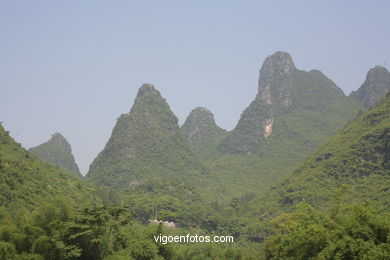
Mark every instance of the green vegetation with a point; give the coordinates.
(374, 88)
(334, 205)
(303, 110)
(55, 232)
(358, 156)
(201, 131)
(57, 151)
(26, 180)
(345, 232)
(145, 143)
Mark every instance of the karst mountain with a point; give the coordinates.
(201, 131)
(145, 143)
(354, 165)
(57, 151)
(374, 88)
(28, 181)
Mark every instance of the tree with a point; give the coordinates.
(351, 232)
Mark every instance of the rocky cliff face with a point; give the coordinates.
(57, 151)
(60, 141)
(200, 129)
(146, 142)
(358, 157)
(374, 88)
(291, 105)
(276, 70)
(294, 112)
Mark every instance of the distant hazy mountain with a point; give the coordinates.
(358, 156)
(201, 131)
(26, 179)
(57, 151)
(294, 112)
(146, 142)
(374, 88)
(292, 107)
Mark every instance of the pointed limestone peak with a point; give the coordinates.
(280, 62)
(57, 151)
(146, 142)
(374, 88)
(147, 89)
(276, 73)
(60, 140)
(148, 104)
(200, 127)
(201, 115)
(376, 72)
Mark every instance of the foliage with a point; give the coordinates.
(57, 151)
(179, 203)
(306, 109)
(148, 171)
(374, 88)
(54, 231)
(145, 143)
(345, 232)
(358, 156)
(201, 131)
(26, 180)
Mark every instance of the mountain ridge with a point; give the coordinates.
(26, 179)
(357, 156)
(374, 88)
(201, 131)
(146, 142)
(57, 151)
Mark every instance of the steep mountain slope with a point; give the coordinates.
(146, 142)
(201, 131)
(57, 151)
(292, 107)
(294, 112)
(26, 179)
(374, 88)
(358, 156)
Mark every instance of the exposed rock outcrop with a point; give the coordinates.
(291, 106)
(145, 143)
(374, 88)
(57, 151)
(200, 128)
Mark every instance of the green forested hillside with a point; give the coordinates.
(27, 180)
(205, 180)
(48, 214)
(357, 160)
(146, 142)
(201, 131)
(57, 151)
(295, 112)
(344, 232)
(296, 108)
(374, 88)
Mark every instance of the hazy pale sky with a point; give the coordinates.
(74, 66)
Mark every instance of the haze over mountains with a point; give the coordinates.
(374, 88)
(357, 157)
(302, 140)
(146, 142)
(294, 112)
(303, 107)
(27, 180)
(57, 151)
(201, 131)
